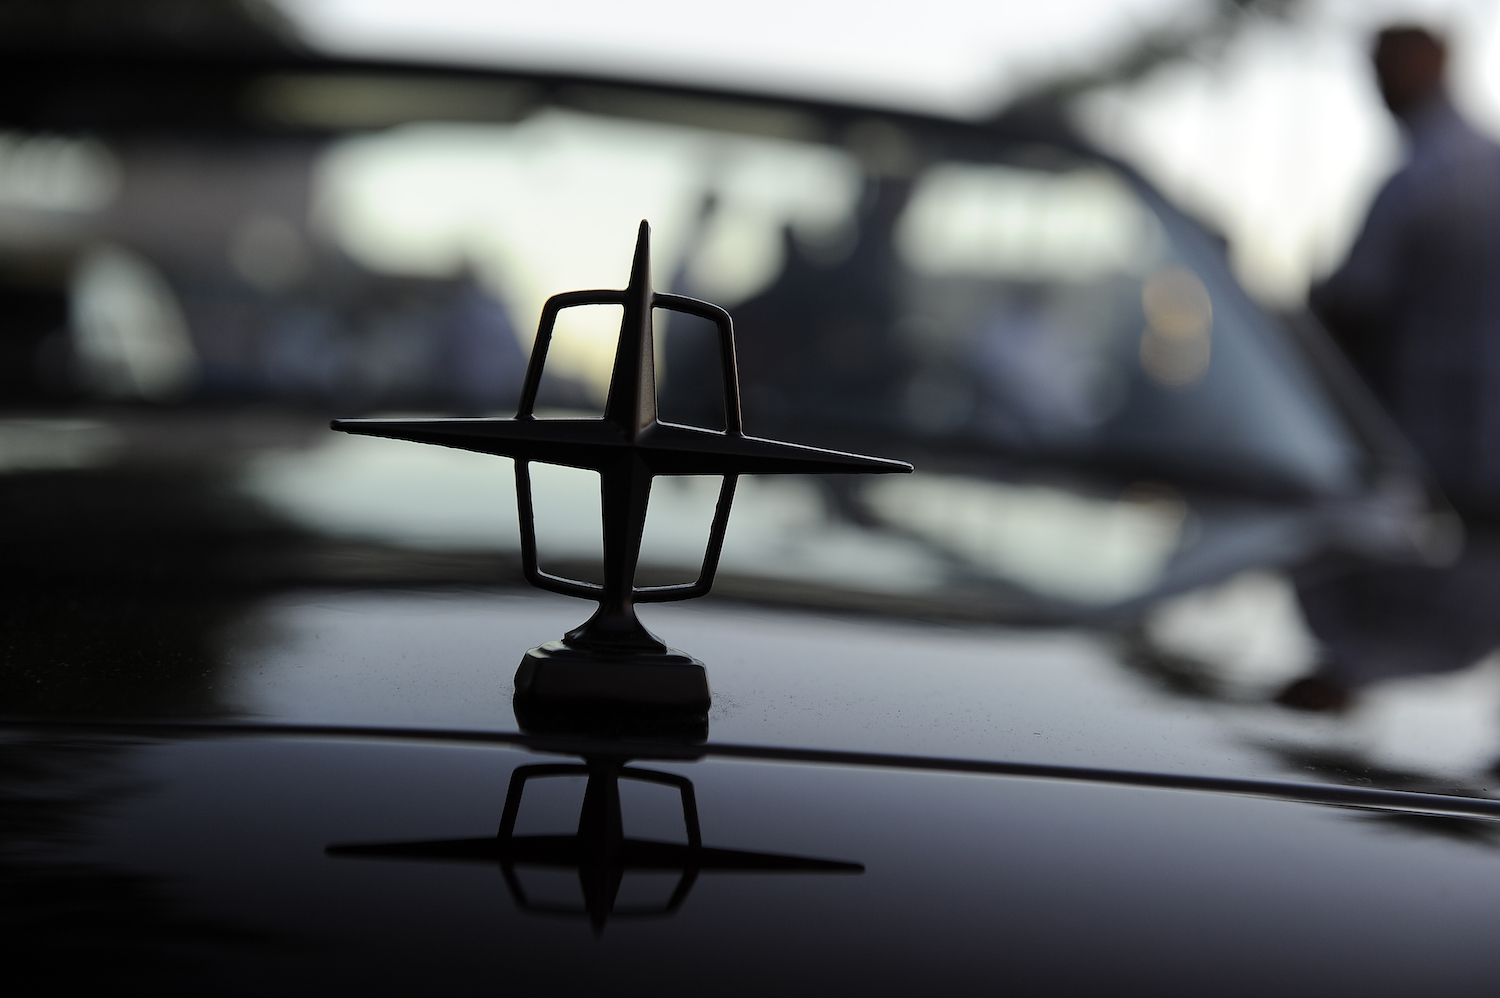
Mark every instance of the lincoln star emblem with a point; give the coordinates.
(612, 658)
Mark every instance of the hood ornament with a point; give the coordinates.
(611, 660)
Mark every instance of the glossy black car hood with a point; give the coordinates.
(881, 806)
(238, 863)
(783, 680)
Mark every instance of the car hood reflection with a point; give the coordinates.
(599, 851)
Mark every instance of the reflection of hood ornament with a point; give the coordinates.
(599, 851)
(612, 658)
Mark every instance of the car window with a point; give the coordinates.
(1037, 308)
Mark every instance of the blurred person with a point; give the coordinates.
(815, 349)
(484, 363)
(1416, 307)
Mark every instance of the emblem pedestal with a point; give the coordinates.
(562, 677)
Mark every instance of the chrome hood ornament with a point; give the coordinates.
(611, 659)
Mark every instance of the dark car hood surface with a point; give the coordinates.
(781, 679)
(881, 806)
(241, 864)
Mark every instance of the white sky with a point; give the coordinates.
(1280, 144)
(950, 56)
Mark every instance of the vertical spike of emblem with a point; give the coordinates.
(632, 384)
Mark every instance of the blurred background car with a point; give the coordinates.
(1054, 259)
(218, 236)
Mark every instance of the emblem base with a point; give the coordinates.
(560, 676)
